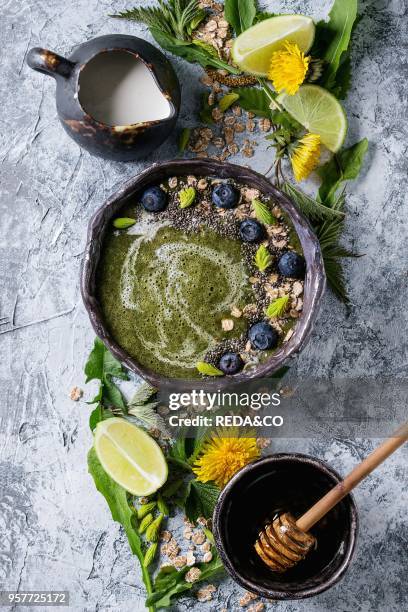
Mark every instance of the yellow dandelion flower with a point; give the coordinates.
(288, 68)
(221, 458)
(305, 156)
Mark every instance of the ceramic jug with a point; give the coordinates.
(122, 142)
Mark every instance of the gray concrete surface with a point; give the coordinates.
(56, 532)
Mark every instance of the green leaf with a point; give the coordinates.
(254, 100)
(240, 14)
(123, 222)
(263, 258)
(117, 500)
(206, 110)
(207, 369)
(278, 307)
(227, 101)
(190, 51)
(262, 15)
(170, 583)
(333, 37)
(263, 212)
(186, 197)
(310, 207)
(184, 139)
(101, 362)
(99, 414)
(344, 166)
(201, 499)
(112, 394)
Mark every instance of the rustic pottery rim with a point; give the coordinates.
(315, 279)
(305, 593)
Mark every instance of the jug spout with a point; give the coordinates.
(49, 62)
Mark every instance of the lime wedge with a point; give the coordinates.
(319, 112)
(252, 50)
(130, 456)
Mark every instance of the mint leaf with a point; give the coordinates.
(201, 499)
(344, 166)
(333, 38)
(240, 14)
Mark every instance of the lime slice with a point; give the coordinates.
(130, 456)
(252, 50)
(319, 112)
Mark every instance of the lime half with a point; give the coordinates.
(252, 50)
(319, 112)
(130, 456)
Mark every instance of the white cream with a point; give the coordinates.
(117, 88)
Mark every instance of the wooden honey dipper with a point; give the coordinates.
(285, 541)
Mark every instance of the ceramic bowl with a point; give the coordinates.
(284, 482)
(314, 280)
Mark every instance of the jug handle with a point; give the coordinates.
(49, 62)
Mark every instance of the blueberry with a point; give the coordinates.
(225, 196)
(250, 230)
(154, 199)
(263, 336)
(291, 264)
(230, 363)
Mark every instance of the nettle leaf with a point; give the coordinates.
(263, 213)
(201, 499)
(263, 259)
(187, 197)
(344, 166)
(143, 394)
(147, 414)
(240, 14)
(311, 208)
(278, 307)
(333, 38)
(207, 369)
(190, 51)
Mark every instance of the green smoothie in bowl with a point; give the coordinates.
(200, 277)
